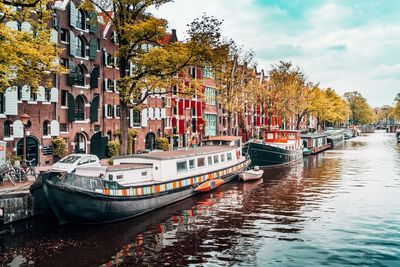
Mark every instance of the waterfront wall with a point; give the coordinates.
(16, 206)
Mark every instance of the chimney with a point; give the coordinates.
(174, 37)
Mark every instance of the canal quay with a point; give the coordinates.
(336, 208)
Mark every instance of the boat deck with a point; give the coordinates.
(184, 153)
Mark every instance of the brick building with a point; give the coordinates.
(83, 106)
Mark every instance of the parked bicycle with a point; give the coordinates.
(7, 172)
(27, 169)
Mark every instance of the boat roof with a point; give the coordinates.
(313, 135)
(114, 168)
(223, 138)
(177, 154)
(283, 131)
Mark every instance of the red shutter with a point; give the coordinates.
(279, 120)
(273, 121)
(258, 121)
(174, 122)
(203, 104)
(199, 109)
(180, 108)
(187, 103)
(198, 70)
(193, 104)
(181, 126)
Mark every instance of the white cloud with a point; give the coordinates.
(325, 43)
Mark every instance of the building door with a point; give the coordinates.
(80, 143)
(98, 145)
(150, 141)
(32, 149)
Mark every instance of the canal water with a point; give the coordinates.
(338, 208)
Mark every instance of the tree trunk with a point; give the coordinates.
(229, 132)
(124, 110)
(124, 126)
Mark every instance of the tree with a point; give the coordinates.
(361, 112)
(234, 75)
(148, 64)
(27, 56)
(287, 83)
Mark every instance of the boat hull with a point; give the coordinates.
(72, 205)
(247, 176)
(265, 155)
(319, 149)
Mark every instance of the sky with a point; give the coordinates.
(348, 45)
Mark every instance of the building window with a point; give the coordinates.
(2, 103)
(229, 156)
(46, 128)
(33, 96)
(109, 111)
(64, 35)
(7, 129)
(63, 127)
(208, 73)
(80, 76)
(80, 108)
(64, 98)
(136, 118)
(19, 88)
(80, 47)
(64, 62)
(117, 111)
(210, 125)
(98, 44)
(47, 94)
(175, 90)
(210, 95)
(81, 23)
(175, 110)
(181, 166)
(192, 72)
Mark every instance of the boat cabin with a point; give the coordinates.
(215, 154)
(288, 139)
(314, 140)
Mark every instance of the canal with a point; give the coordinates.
(339, 208)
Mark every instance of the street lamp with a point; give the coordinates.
(25, 119)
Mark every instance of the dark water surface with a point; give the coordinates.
(339, 208)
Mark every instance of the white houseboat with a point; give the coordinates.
(140, 183)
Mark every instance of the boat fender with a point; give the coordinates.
(212, 184)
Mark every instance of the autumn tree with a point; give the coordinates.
(361, 112)
(396, 108)
(287, 84)
(27, 55)
(147, 63)
(234, 76)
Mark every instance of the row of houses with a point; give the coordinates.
(82, 106)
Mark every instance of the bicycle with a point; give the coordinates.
(27, 169)
(7, 172)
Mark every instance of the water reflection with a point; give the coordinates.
(329, 209)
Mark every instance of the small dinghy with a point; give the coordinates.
(251, 175)
(209, 185)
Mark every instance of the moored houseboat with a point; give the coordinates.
(398, 136)
(335, 137)
(137, 184)
(278, 148)
(314, 143)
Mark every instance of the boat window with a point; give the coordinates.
(144, 173)
(201, 162)
(291, 136)
(237, 143)
(216, 159)
(210, 162)
(191, 164)
(229, 156)
(181, 166)
(270, 136)
(119, 177)
(222, 157)
(93, 159)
